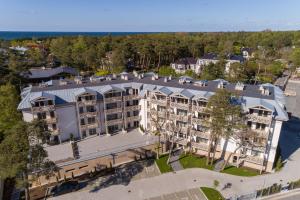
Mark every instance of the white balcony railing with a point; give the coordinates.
(259, 119)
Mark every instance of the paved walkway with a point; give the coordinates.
(174, 160)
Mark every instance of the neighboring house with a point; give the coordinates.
(184, 64)
(208, 59)
(231, 58)
(247, 53)
(89, 107)
(38, 75)
(20, 49)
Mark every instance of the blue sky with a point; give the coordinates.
(149, 15)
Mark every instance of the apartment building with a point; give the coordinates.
(118, 103)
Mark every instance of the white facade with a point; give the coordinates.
(120, 104)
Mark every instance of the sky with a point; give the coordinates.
(149, 15)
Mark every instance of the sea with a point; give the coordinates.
(11, 35)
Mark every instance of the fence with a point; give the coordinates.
(274, 189)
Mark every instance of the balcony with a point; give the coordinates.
(89, 114)
(88, 126)
(159, 102)
(87, 102)
(114, 121)
(202, 134)
(51, 120)
(113, 99)
(261, 133)
(197, 120)
(199, 109)
(132, 118)
(200, 145)
(179, 105)
(259, 119)
(131, 97)
(113, 110)
(132, 108)
(181, 141)
(182, 118)
(254, 159)
(54, 132)
(43, 108)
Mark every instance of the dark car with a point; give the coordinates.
(65, 187)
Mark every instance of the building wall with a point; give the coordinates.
(274, 142)
(67, 122)
(27, 115)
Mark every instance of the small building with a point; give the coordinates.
(38, 75)
(208, 59)
(183, 64)
(247, 53)
(231, 58)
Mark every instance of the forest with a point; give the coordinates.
(274, 52)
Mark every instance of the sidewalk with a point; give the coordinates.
(284, 195)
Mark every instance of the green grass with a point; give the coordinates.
(193, 161)
(162, 164)
(212, 194)
(241, 171)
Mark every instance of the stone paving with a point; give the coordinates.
(191, 194)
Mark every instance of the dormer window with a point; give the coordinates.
(202, 83)
(221, 85)
(239, 86)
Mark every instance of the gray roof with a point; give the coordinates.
(67, 93)
(36, 73)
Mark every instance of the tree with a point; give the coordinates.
(166, 71)
(219, 123)
(22, 153)
(158, 123)
(243, 138)
(9, 101)
(213, 71)
(236, 73)
(173, 130)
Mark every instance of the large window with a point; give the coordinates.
(92, 131)
(41, 115)
(91, 120)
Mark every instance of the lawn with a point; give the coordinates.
(162, 164)
(241, 171)
(212, 194)
(193, 161)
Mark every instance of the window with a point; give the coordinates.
(83, 134)
(89, 98)
(255, 153)
(91, 120)
(111, 106)
(260, 126)
(52, 114)
(92, 131)
(136, 123)
(80, 110)
(50, 102)
(249, 124)
(135, 113)
(181, 112)
(112, 117)
(90, 109)
(128, 114)
(79, 99)
(41, 116)
(54, 126)
(135, 102)
(82, 122)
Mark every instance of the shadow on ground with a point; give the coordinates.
(123, 175)
(289, 141)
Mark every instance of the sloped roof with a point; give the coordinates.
(84, 90)
(37, 95)
(36, 73)
(165, 91)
